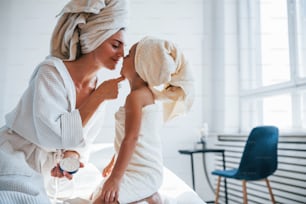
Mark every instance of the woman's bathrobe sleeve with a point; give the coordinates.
(46, 113)
(58, 124)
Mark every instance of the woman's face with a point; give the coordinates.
(128, 65)
(111, 50)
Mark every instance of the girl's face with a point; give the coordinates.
(128, 65)
(109, 53)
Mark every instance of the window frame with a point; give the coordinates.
(250, 41)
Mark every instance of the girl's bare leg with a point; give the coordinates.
(153, 199)
(102, 202)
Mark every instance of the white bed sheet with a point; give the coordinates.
(173, 190)
(177, 191)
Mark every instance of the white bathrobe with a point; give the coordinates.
(44, 121)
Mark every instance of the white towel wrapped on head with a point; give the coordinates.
(161, 62)
(86, 24)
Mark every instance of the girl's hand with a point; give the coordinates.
(110, 190)
(108, 169)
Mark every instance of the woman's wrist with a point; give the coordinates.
(99, 97)
(88, 108)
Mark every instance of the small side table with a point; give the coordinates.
(204, 151)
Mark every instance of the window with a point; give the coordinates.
(273, 64)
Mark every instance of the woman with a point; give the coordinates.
(136, 172)
(60, 112)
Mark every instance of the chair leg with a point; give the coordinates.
(270, 191)
(244, 190)
(217, 190)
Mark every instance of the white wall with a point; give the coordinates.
(26, 28)
(224, 66)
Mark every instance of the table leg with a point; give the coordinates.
(192, 172)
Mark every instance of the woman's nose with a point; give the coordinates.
(121, 52)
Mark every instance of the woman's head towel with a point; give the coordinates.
(161, 62)
(86, 24)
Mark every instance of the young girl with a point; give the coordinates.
(136, 172)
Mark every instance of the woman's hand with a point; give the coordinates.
(106, 91)
(71, 153)
(109, 89)
(57, 172)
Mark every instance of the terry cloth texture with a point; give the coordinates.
(144, 174)
(161, 62)
(86, 24)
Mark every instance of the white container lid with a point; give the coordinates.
(70, 164)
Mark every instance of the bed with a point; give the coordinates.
(173, 190)
(177, 191)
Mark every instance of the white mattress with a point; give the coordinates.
(176, 191)
(173, 190)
